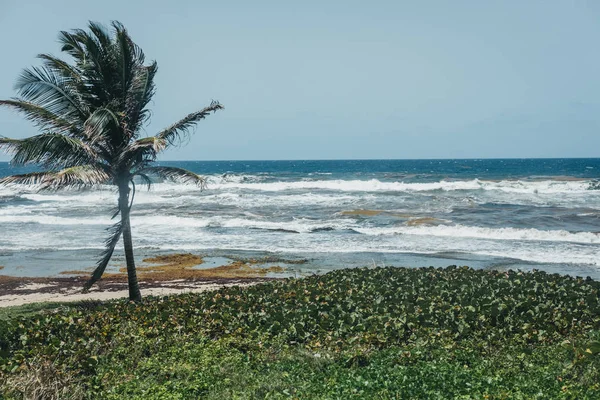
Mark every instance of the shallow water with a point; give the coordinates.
(523, 214)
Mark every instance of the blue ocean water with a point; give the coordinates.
(501, 213)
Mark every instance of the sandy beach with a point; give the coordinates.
(159, 276)
(60, 290)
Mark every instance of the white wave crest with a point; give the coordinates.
(375, 185)
(303, 225)
(52, 220)
(487, 233)
(300, 225)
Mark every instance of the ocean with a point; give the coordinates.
(500, 213)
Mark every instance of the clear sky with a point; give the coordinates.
(348, 79)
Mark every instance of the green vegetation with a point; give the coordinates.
(362, 333)
(7, 313)
(91, 113)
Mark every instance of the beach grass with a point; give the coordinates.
(356, 333)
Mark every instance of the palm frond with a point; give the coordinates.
(51, 150)
(136, 50)
(102, 38)
(144, 149)
(72, 77)
(145, 179)
(78, 177)
(61, 67)
(71, 44)
(103, 127)
(95, 45)
(98, 65)
(126, 58)
(175, 133)
(139, 95)
(174, 174)
(42, 117)
(33, 178)
(137, 158)
(115, 232)
(42, 86)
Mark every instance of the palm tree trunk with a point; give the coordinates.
(134, 288)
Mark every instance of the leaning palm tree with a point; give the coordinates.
(90, 112)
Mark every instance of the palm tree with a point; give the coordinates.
(90, 113)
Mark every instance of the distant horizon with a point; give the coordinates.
(397, 159)
(375, 159)
(400, 159)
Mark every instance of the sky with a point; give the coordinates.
(347, 79)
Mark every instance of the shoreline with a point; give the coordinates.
(15, 291)
(157, 276)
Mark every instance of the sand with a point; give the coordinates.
(158, 276)
(60, 294)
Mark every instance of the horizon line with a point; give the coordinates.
(370, 159)
(386, 159)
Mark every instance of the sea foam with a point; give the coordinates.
(476, 232)
(375, 185)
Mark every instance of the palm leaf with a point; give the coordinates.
(33, 178)
(143, 150)
(61, 67)
(42, 117)
(78, 177)
(98, 65)
(174, 174)
(115, 232)
(101, 36)
(145, 179)
(139, 95)
(136, 50)
(51, 150)
(103, 127)
(126, 60)
(42, 86)
(71, 44)
(175, 133)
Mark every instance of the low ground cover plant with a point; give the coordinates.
(354, 333)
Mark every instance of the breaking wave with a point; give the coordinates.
(375, 185)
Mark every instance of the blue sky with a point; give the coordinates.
(348, 79)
